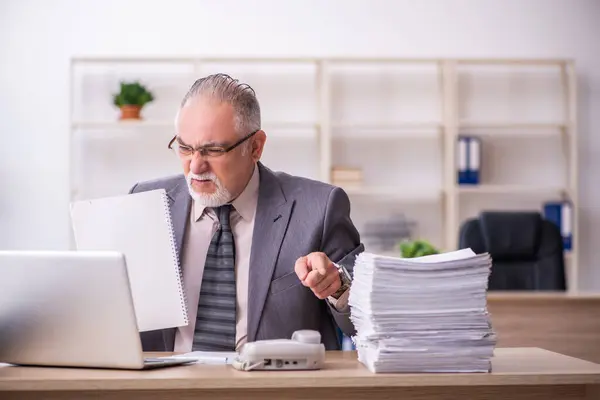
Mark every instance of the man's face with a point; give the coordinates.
(215, 181)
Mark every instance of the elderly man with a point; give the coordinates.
(263, 253)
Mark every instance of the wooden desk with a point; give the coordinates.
(559, 322)
(518, 374)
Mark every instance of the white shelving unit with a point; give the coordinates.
(398, 120)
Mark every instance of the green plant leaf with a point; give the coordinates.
(416, 248)
(132, 93)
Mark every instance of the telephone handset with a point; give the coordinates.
(304, 351)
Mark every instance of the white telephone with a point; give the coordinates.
(304, 351)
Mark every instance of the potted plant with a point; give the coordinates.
(131, 98)
(417, 248)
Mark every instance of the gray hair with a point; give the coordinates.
(224, 88)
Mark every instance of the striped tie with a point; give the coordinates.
(215, 323)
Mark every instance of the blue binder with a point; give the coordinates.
(474, 160)
(469, 160)
(462, 160)
(561, 214)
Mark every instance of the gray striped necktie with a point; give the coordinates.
(215, 323)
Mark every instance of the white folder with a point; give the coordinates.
(139, 226)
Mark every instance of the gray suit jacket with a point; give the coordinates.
(294, 217)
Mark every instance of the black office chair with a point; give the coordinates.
(527, 250)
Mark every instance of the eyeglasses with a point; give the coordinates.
(210, 151)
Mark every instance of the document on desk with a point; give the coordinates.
(210, 357)
(425, 314)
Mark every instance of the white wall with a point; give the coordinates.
(37, 39)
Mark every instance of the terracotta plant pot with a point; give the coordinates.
(130, 112)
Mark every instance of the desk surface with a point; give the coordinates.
(511, 366)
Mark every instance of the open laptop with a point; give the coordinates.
(70, 309)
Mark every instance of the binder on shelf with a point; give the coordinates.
(469, 160)
(474, 160)
(462, 160)
(561, 214)
(567, 226)
(139, 226)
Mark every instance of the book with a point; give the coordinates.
(139, 226)
(347, 177)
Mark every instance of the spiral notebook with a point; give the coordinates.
(139, 226)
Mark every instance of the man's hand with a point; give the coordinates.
(317, 272)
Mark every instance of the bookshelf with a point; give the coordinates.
(396, 120)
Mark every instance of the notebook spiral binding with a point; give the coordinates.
(176, 262)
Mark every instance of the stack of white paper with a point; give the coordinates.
(426, 314)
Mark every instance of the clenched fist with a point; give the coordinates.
(317, 272)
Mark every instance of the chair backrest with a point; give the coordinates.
(527, 250)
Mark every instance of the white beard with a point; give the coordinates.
(220, 197)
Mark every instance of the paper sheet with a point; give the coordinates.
(210, 357)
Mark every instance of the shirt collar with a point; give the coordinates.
(244, 204)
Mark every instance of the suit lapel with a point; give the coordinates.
(180, 203)
(273, 213)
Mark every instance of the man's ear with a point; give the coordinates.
(258, 144)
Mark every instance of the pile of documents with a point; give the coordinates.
(425, 314)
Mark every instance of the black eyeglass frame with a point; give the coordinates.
(218, 149)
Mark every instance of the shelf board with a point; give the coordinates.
(119, 125)
(514, 61)
(509, 189)
(149, 58)
(291, 130)
(425, 130)
(541, 295)
(469, 125)
(290, 125)
(302, 129)
(425, 125)
(396, 193)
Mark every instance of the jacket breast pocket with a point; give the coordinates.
(285, 282)
(290, 306)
